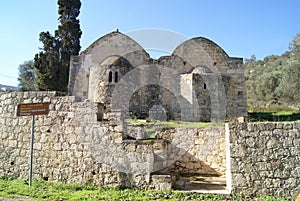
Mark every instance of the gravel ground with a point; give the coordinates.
(18, 197)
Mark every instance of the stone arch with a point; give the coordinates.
(104, 77)
(202, 70)
(115, 43)
(150, 95)
(155, 75)
(202, 51)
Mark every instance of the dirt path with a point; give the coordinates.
(17, 197)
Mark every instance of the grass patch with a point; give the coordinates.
(45, 190)
(183, 124)
(284, 115)
(174, 124)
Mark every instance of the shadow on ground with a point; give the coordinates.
(200, 182)
(271, 116)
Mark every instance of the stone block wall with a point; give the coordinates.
(264, 158)
(167, 82)
(206, 155)
(70, 145)
(58, 154)
(185, 150)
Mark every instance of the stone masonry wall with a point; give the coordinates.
(89, 79)
(206, 153)
(264, 158)
(58, 154)
(185, 150)
(70, 145)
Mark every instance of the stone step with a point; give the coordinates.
(200, 183)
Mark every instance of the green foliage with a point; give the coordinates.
(274, 116)
(44, 190)
(47, 63)
(27, 76)
(172, 124)
(6, 178)
(275, 80)
(69, 34)
(52, 63)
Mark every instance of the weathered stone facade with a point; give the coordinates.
(264, 158)
(86, 138)
(198, 82)
(71, 145)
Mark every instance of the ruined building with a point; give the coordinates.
(198, 82)
(86, 137)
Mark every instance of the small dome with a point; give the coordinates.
(202, 69)
(115, 61)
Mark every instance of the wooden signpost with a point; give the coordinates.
(32, 109)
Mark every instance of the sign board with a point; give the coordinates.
(32, 109)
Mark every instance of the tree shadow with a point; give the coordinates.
(192, 174)
(270, 116)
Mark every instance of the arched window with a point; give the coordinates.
(204, 86)
(110, 76)
(116, 77)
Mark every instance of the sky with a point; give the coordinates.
(241, 27)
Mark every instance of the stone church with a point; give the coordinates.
(85, 138)
(197, 82)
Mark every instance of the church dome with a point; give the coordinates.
(115, 61)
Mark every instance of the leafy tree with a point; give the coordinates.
(47, 63)
(252, 59)
(290, 86)
(52, 63)
(275, 79)
(295, 45)
(291, 74)
(27, 76)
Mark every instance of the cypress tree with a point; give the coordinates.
(52, 63)
(69, 34)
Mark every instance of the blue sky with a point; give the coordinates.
(240, 27)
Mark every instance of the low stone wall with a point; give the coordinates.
(70, 145)
(206, 155)
(185, 150)
(264, 158)
(65, 144)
